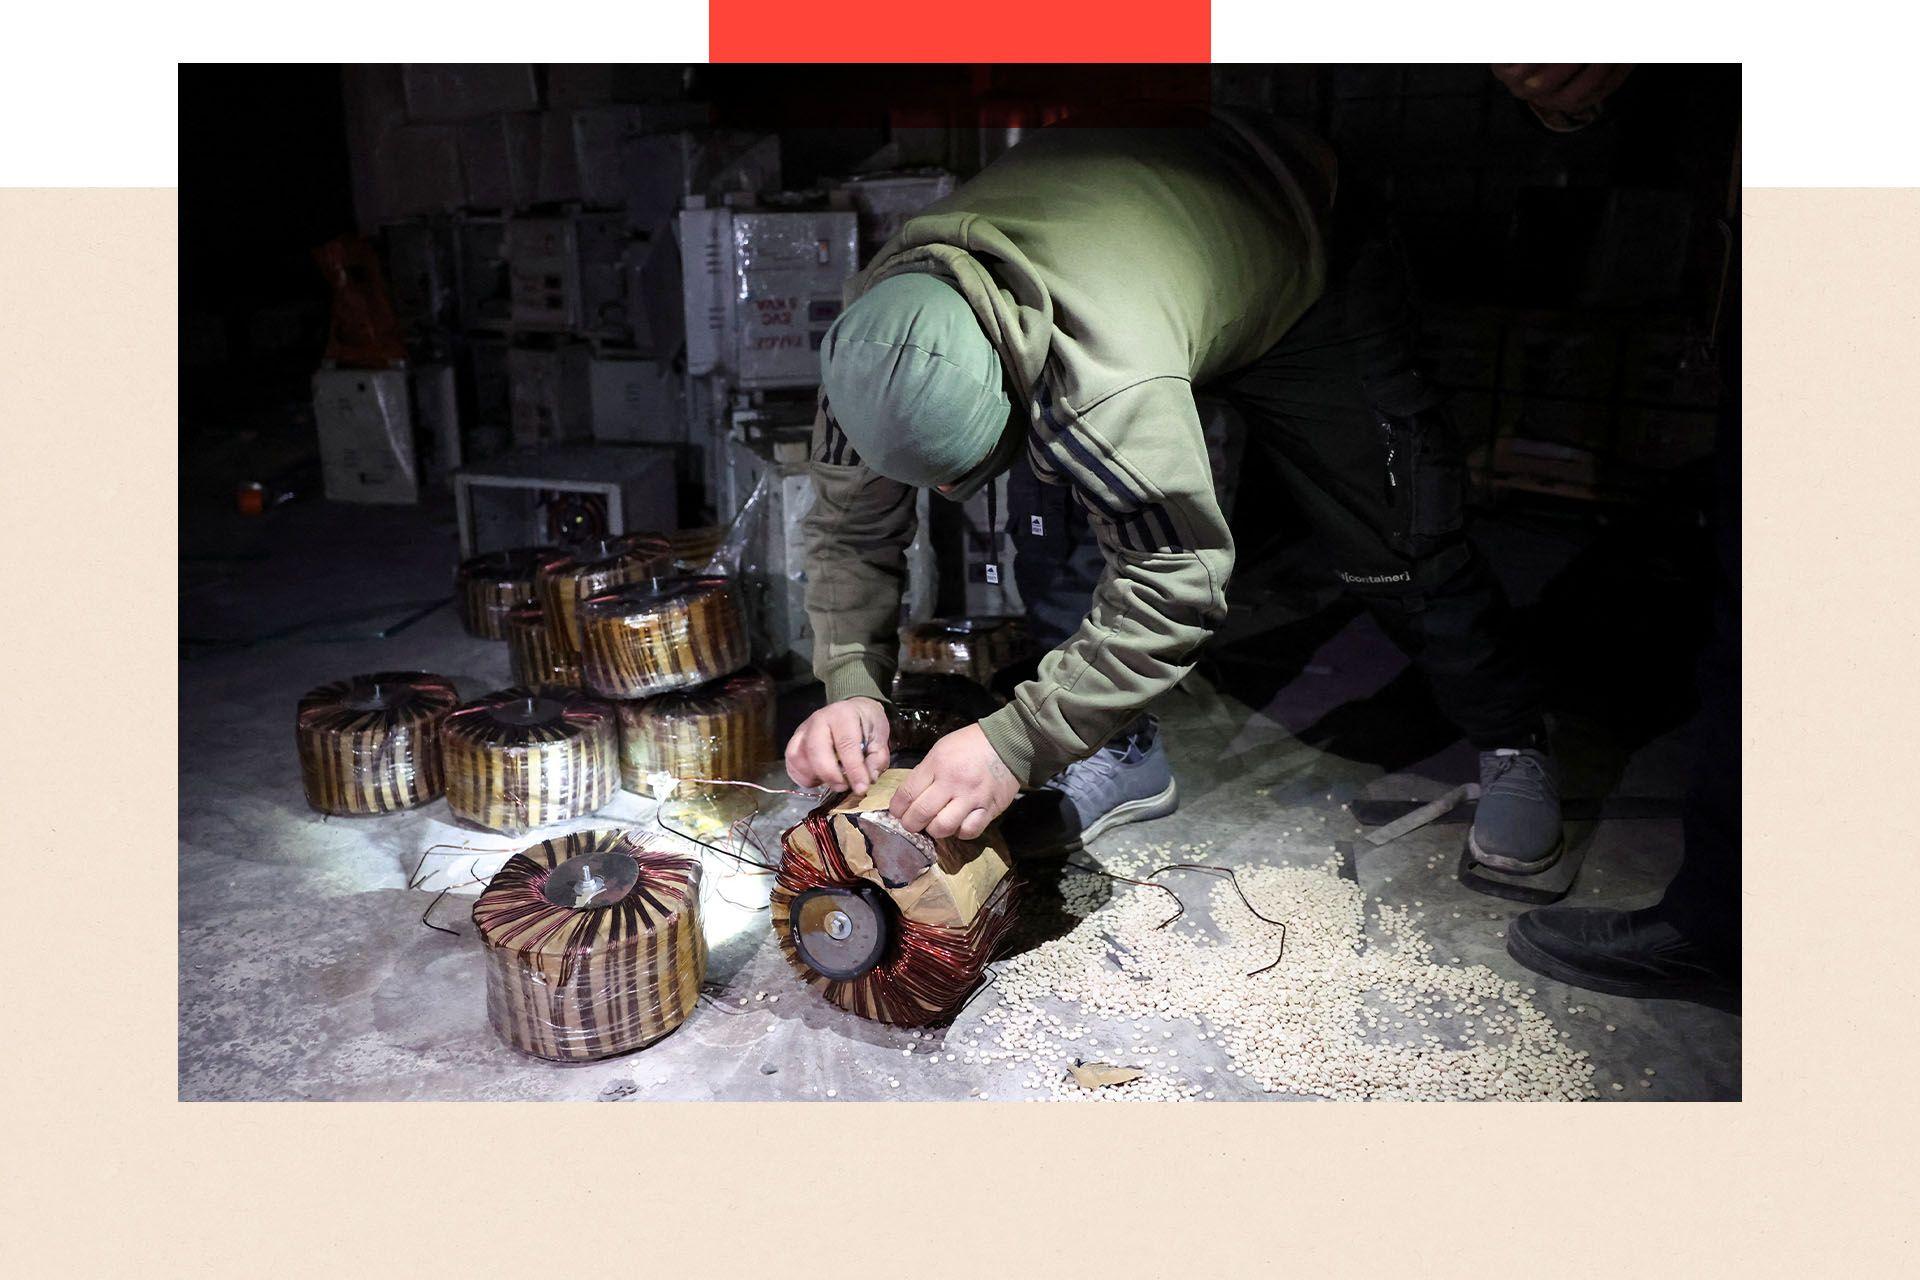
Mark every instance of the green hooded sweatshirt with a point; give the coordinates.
(1113, 270)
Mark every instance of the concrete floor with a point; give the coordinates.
(306, 971)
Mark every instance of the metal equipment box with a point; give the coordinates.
(485, 290)
(569, 274)
(636, 401)
(761, 287)
(366, 435)
(420, 273)
(551, 393)
(565, 494)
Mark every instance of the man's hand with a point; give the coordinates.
(959, 788)
(843, 745)
(1562, 89)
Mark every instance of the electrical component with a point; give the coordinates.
(884, 923)
(489, 587)
(371, 743)
(526, 757)
(661, 635)
(593, 945)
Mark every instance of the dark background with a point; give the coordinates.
(1570, 283)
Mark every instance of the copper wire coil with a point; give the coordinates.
(534, 654)
(577, 972)
(723, 729)
(596, 566)
(372, 743)
(918, 972)
(972, 647)
(928, 707)
(528, 756)
(489, 587)
(695, 547)
(662, 635)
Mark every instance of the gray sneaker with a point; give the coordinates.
(1128, 780)
(1516, 827)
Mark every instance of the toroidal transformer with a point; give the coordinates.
(885, 923)
(660, 635)
(593, 945)
(592, 567)
(528, 756)
(534, 653)
(722, 729)
(489, 587)
(927, 707)
(970, 647)
(371, 743)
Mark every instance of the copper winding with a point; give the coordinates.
(529, 756)
(662, 635)
(693, 548)
(722, 730)
(535, 652)
(572, 983)
(972, 647)
(371, 743)
(927, 971)
(568, 577)
(488, 587)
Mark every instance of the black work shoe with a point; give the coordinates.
(1640, 954)
(1516, 826)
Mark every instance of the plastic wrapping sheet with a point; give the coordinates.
(661, 635)
(489, 587)
(719, 730)
(693, 549)
(593, 567)
(593, 944)
(927, 707)
(788, 270)
(972, 647)
(372, 743)
(535, 653)
(529, 756)
(886, 200)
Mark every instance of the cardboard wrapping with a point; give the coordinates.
(935, 882)
(949, 905)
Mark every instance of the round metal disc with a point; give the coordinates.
(591, 880)
(527, 712)
(839, 933)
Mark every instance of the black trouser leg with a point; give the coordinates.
(1369, 456)
(1704, 897)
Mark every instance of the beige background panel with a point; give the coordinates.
(105, 1174)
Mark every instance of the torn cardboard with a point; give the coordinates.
(935, 882)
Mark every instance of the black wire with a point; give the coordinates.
(429, 911)
(1247, 902)
(659, 816)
